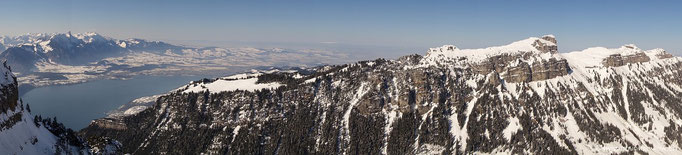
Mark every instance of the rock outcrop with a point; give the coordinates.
(547, 44)
(109, 123)
(8, 89)
(525, 66)
(538, 71)
(617, 60)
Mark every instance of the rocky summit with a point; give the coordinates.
(520, 98)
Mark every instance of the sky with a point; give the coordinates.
(388, 28)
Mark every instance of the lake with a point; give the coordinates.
(78, 104)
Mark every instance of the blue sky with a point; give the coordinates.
(396, 27)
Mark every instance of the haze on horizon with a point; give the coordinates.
(394, 28)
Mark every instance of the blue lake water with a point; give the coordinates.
(76, 105)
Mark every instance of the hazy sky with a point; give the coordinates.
(408, 26)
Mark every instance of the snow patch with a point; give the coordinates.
(235, 132)
(134, 110)
(512, 128)
(231, 85)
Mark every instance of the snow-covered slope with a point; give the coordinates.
(632, 93)
(23, 133)
(530, 45)
(28, 137)
(245, 81)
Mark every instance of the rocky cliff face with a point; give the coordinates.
(9, 90)
(516, 62)
(519, 98)
(23, 133)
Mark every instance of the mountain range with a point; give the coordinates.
(63, 58)
(520, 98)
(24, 51)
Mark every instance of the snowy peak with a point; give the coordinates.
(546, 44)
(81, 38)
(92, 37)
(444, 48)
(549, 38)
(141, 44)
(535, 59)
(659, 53)
(526, 60)
(533, 45)
(13, 41)
(22, 52)
(48, 41)
(614, 57)
(534, 50)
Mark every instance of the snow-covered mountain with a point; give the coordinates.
(520, 98)
(23, 133)
(65, 58)
(12, 41)
(24, 52)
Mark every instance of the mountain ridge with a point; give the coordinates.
(530, 99)
(66, 48)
